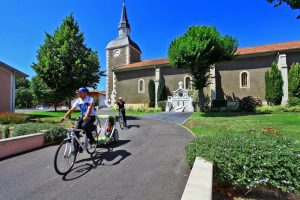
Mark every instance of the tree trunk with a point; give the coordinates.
(69, 103)
(201, 99)
(70, 106)
(55, 107)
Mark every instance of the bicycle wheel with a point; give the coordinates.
(116, 136)
(121, 122)
(65, 157)
(91, 148)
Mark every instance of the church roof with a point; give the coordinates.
(145, 63)
(268, 48)
(122, 41)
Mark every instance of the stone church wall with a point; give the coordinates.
(228, 77)
(135, 56)
(172, 77)
(127, 85)
(291, 58)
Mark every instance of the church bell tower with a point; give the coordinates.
(120, 51)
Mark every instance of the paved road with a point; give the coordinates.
(173, 117)
(148, 164)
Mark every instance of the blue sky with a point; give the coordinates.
(153, 24)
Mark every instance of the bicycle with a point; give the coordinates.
(66, 153)
(121, 120)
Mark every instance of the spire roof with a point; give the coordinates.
(124, 23)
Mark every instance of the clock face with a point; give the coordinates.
(117, 53)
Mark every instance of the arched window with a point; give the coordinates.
(187, 82)
(244, 79)
(141, 86)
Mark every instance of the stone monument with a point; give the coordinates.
(180, 101)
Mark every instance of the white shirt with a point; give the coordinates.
(83, 105)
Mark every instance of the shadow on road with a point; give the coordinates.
(131, 126)
(103, 156)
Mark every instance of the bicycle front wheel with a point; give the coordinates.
(65, 157)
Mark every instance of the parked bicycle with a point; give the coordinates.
(65, 156)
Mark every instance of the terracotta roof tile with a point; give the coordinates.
(159, 61)
(269, 48)
(240, 51)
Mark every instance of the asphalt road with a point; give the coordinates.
(177, 118)
(147, 164)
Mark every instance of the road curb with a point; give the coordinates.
(199, 184)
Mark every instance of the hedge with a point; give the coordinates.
(12, 118)
(52, 133)
(250, 160)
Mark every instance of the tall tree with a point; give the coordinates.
(151, 89)
(24, 97)
(294, 4)
(43, 94)
(273, 82)
(197, 50)
(162, 89)
(294, 80)
(65, 63)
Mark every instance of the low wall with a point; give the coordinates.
(19, 144)
(199, 184)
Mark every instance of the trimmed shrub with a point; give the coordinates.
(294, 101)
(162, 105)
(151, 89)
(249, 103)
(218, 103)
(274, 82)
(294, 80)
(12, 118)
(270, 109)
(5, 132)
(250, 160)
(52, 133)
(151, 104)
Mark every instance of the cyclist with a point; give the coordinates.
(88, 113)
(121, 108)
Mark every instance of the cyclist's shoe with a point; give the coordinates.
(80, 149)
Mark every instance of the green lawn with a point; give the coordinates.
(213, 123)
(51, 116)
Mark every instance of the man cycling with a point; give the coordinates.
(88, 113)
(121, 108)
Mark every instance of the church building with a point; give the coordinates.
(128, 76)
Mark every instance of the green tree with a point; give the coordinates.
(24, 97)
(294, 4)
(151, 89)
(65, 63)
(43, 94)
(273, 85)
(197, 50)
(294, 80)
(162, 89)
